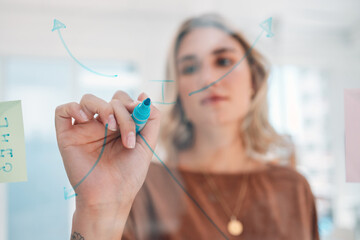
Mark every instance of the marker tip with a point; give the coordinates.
(147, 101)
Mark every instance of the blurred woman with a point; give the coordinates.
(217, 183)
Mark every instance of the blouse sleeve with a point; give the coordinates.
(314, 222)
(314, 230)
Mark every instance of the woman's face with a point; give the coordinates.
(204, 55)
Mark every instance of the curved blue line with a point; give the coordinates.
(97, 161)
(165, 103)
(183, 188)
(82, 65)
(237, 64)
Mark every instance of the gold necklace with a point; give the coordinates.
(234, 227)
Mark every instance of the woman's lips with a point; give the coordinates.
(213, 100)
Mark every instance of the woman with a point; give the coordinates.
(217, 185)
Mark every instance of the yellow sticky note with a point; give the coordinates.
(12, 143)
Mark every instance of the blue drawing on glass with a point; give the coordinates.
(57, 27)
(266, 26)
(163, 90)
(69, 193)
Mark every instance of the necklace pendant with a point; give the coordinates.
(235, 227)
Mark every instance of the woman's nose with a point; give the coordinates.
(207, 75)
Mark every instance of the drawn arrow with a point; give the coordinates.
(69, 193)
(57, 27)
(266, 26)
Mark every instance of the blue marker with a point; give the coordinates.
(141, 114)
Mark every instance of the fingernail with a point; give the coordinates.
(131, 140)
(112, 122)
(83, 115)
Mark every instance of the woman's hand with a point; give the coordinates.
(122, 169)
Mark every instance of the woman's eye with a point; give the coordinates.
(189, 69)
(224, 62)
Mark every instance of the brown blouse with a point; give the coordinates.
(278, 204)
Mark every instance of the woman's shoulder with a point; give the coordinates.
(161, 178)
(157, 168)
(156, 185)
(278, 171)
(161, 172)
(287, 177)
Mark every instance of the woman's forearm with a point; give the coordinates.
(102, 223)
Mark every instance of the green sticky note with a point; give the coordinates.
(12, 143)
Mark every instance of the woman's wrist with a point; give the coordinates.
(103, 205)
(100, 222)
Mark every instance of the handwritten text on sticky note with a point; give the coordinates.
(12, 143)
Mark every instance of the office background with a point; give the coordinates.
(315, 54)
